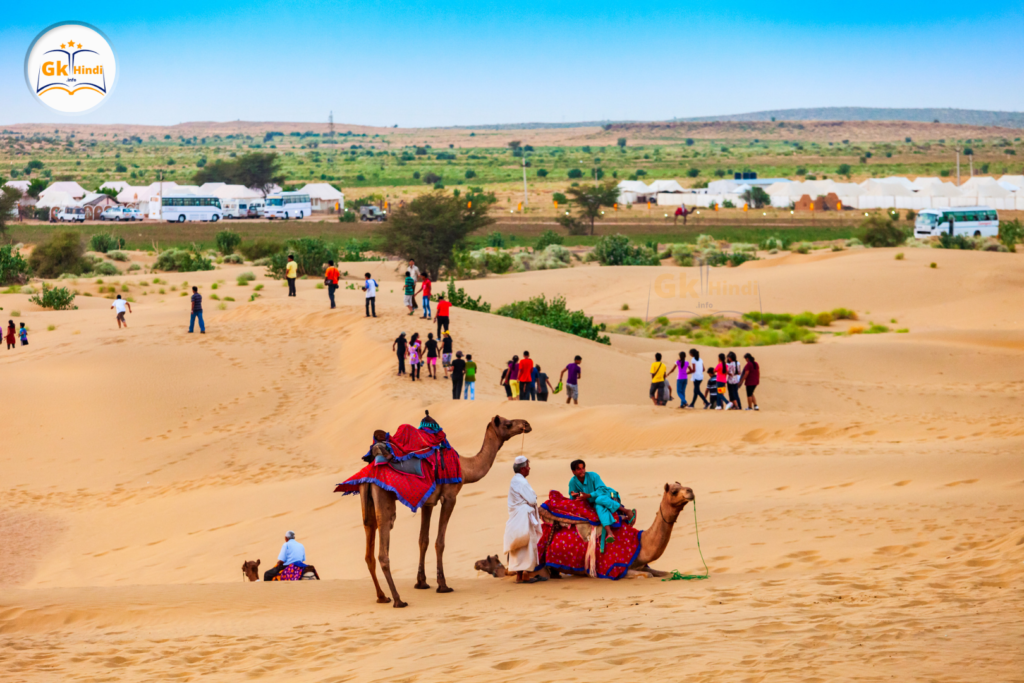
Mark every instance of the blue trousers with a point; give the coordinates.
(426, 307)
(681, 391)
(470, 392)
(192, 322)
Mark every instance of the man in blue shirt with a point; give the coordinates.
(589, 487)
(292, 552)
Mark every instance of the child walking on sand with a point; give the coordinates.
(23, 332)
(10, 334)
(414, 356)
(470, 391)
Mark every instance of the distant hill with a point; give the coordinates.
(971, 117)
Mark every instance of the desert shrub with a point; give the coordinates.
(947, 241)
(801, 248)
(552, 257)
(496, 239)
(353, 250)
(774, 242)
(260, 248)
(13, 266)
(880, 231)
(458, 297)
(62, 253)
(227, 241)
(311, 253)
(823, 319)
(843, 314)
(1011, 232)
(735, 258)
(245, 278)
(556, 315)
(104, 268)
(236, 259)
(743, 246)
(183, 260)
(347, 216)
(104, 243)
(548, 237)
(617, 250)
(57, 298)
(899, 256)
(118, 255)
(483, 261)
(853, 242)
(995, 246)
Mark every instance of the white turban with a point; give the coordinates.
(520, 459)
(290, 534)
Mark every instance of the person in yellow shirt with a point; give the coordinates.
(658, 370)
(291, 272)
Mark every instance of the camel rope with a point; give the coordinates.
(676, 576)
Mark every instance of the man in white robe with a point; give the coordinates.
(523, 529)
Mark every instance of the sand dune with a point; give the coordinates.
(865, 524)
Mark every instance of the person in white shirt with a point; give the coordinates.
(523, 529)
(291, 552)
(698, 377)
(370, 287)
(120, 305)
(414, 271)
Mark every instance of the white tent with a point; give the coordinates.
(985, 191)
(922, 182)
(230, 191)
(118, 185)
(1015, 180)
(900, 180)
(665, 186)
(632, 191)
(56, 198)
(68, 187)
(323, 196)
(940, 194)
(881, 195)
(19, 185)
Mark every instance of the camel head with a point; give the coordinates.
(506, 429)
(250, 570)
(675, 499)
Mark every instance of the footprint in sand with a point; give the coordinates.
(902, 483)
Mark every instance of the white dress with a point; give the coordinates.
(523, 529)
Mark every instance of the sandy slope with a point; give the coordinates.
(866, 524)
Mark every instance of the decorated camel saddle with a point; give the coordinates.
(573, 537)
(411, 463)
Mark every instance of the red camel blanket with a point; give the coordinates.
(562, 547)
(439, 465)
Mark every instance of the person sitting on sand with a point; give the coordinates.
(589, 487)
(292, 552)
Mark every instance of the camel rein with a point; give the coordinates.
(675, 575)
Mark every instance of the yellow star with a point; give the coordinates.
(62, 46)
(71, 43)
(79, 46)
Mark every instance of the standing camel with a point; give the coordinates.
(379, 508)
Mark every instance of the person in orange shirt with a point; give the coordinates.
(526, 389)
(331, 278)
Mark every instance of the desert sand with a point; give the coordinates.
(866, 524)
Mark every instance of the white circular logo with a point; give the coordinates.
(70, 67)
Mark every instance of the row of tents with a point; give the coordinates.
(895, 192)
(147, 198)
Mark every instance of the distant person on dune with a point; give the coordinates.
(292, 552)
(751, 378)
(331, 277)
(291, 272)
(370, 287)
(526, 378)
(446, 352)
(683, 368)
(12, 333)
(409, 291)
(197, 312)
(572, 389)
(399, 346)
(431, 347)
(119, 305)
(698, 377)
(470, 391)
(542, 384)
(23, 333)
(458, 374)
(443, 311)
(415, 355)
(734, 376)
(424, 290)
(658, 370)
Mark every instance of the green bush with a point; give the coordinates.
(548, 237)
(353, 250)
(552, 257)
(56, 298)
(245, 278)
(947, 241)
(457, 297)
(234, 258)
(802, 248)
(227, 241)
(880, 231)
(311, 254)
(104, 268)
(13, 266)
(347, 216)
(1011, 232)
(104, 243)
(774, 242)
(823, 319)
(555, 315)
(496, 239)
(497, 262)
(617, 250)
(843, 314)
(260, 248)
(118, 255)
(183, 260)
(62, 253)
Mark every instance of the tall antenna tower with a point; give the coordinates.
(330, 125)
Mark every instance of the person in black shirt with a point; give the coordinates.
(458, 374)
(431, 355)
(446, 352)
(399, 346)
(543, 383)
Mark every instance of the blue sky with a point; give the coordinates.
(464, 63)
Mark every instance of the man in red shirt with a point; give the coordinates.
(442, 314)
(526, 388)
(331, 278)
(425, 290)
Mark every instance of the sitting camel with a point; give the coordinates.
(250, 570)
(653, 541)
(379, 509)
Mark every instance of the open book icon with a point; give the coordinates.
(71, 71)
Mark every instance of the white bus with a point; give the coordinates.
(242, 208)
(972, 221)
(287, 205)
(190, 208)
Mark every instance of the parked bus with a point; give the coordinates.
(190, 208)
(287, 205)
(976, 221)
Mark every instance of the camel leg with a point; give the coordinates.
(447, 505)
(370, 527)
(421, 575)
(655, 572)
(385, 505)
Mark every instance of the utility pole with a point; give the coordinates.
(330, 125)
(958, 168)
(526, 200)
